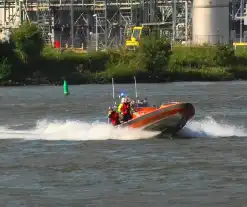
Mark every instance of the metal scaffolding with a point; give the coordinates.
(113, 17)
(13, 13)
(239, 20)
(44, 19)
(98, 24)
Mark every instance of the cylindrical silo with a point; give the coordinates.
(210, 21)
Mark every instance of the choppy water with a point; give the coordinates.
(55, 150)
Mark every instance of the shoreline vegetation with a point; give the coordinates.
(25, 60)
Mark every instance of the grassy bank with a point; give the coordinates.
(25, 60)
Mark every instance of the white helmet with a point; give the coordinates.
(123, 100)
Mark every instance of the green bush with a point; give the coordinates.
(202, 74)
(225, 55)
(25, 59)
(192, 57)
(147, 61)
(28, 42)
(156, 53)
(201, 56)
(10, 58)
(76, 67)
(5, 69)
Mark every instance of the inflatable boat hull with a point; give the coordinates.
(169, 118)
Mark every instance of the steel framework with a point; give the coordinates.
(114, 17)
(98, 24)
(13, 12)
(239, 20)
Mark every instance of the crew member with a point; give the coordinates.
(113, 117)
(128, 99)
(120, 105)
(145, 102)
(125, 111)
(132, 107)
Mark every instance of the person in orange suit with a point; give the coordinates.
(126, 111)
(113, 117)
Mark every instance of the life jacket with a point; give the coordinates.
(114, 118)
(119, 107)
(125, 108)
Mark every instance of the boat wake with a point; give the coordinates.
(77, 131)
(208, 127)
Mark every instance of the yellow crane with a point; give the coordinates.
(140, 32)
(137, 33)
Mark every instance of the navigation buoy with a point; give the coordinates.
(65, 88)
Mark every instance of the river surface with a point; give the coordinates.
(56, 151)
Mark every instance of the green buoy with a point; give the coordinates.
(65, 88)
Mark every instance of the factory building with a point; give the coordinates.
(107, 23)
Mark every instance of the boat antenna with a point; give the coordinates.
(135, 88)
(113, 92)
(113, 89)
(113, 95)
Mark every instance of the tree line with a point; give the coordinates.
(24, 59)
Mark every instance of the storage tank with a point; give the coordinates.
(210, 21)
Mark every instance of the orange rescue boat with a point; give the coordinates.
(168, 118)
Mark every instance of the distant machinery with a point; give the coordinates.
(98, 24)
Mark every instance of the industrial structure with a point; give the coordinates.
(98, 24)
(211, 21)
